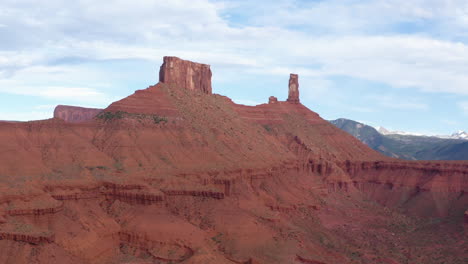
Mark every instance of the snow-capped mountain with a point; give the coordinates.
(460, 134)
(384, 131)
(406, 145)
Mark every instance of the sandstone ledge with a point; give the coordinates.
(32, 239)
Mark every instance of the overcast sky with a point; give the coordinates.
(395, 63)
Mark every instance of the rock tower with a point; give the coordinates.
(186, 74)
(293, 96)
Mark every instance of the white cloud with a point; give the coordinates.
(347, 16)
(58, 83)
(77, 94)
(69, 92)
(247, 102)
(337, 37)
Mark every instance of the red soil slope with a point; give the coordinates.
(174, 174)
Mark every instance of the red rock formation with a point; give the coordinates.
(293, 96)
(272, 100)
(137, 197)
(74, 114)
(208, 194)
(186, 74)
(160, 251)
(32, 239)
(35, 211)
(75, 196)
(268, 168)
(39, 205)
(152, 100)
(466, 217)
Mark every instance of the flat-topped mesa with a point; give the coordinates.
(293, 96)
(75, 114)
(186, 74)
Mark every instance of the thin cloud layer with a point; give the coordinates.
(407, 45)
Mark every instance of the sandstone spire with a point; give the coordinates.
(293, 96)
(186, 74)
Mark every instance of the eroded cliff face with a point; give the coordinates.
(75, 114)
(174, 174)
(186, 74)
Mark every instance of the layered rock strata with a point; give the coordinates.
(217, 182)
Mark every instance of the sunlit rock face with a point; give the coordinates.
(293, 96)
(186, 74)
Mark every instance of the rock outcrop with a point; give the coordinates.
(74, 114)
(186, 74)
(272, 100)
(28, 238)
(136, 197)
(36, 212)
(207, 194)
(170, 174)
(159, 251)
(293, 96)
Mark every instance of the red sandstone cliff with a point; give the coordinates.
(74, 114)
(186, 74)
(174, 173)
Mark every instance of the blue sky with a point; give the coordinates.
(394, 63)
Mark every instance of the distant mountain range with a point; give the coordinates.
(406, 145)
(457, 135)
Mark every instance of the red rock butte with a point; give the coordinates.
(176, 174)
(75, 114)
(186, 74)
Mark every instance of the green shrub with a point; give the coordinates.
(267, 128)
(107, 116)
(159, 119)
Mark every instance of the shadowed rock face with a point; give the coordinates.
(293, 96)
(74, 114)
(186, 74)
